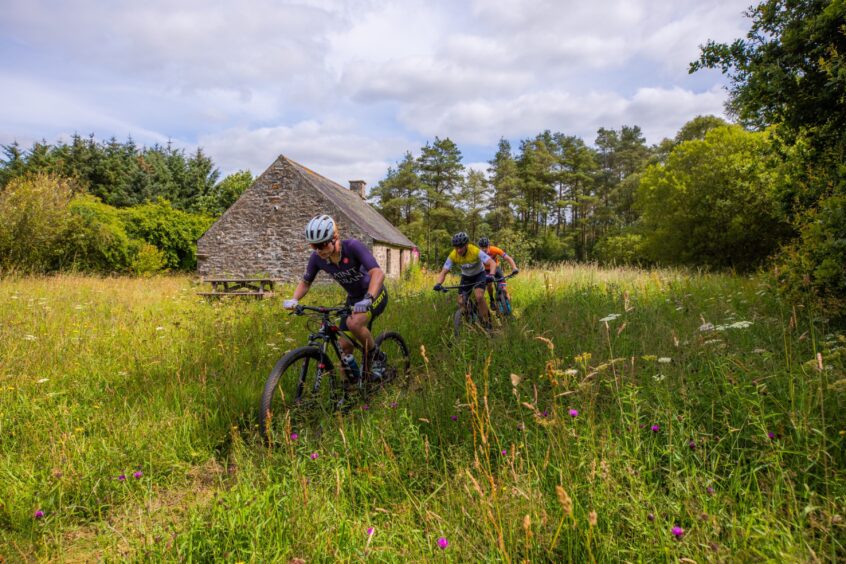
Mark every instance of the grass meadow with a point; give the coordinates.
(623, 415)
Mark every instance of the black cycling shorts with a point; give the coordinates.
(380, 302)
(469, 282)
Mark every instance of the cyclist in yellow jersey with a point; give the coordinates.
(477, 270)
(495, 253)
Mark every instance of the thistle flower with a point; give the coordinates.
(504, 452)
(137, 474)
(692, 445)
(710, 490)
(294, 436)
(314, 456)
(393, 405)
(443, 543)
(38, 514)
(677, 531)
(656, 428)
(454, 417)
(574, 413)
(122, 477)
(651, 517)
(369, 531)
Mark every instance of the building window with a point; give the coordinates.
(388, 260)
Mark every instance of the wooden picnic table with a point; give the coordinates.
(227, 287)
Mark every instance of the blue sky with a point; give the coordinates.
(346, 88)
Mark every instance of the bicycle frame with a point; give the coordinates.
(329, 334)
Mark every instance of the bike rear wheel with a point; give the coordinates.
(299, 392)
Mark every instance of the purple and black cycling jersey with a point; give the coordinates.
(352, 272)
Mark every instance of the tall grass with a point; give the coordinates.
(562, 437)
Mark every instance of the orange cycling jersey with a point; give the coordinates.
(495, 253)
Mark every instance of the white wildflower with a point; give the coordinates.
(712, 342)
(759, 351)
(658, 377)
(30, 338)
(665, 360)
(571, 372)
(159, 328)
(609, 317)
(43, 380)
(705, 327)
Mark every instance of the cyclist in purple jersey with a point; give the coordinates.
(353, 266)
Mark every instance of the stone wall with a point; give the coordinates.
(262, 233)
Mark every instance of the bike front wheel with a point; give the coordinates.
(397, 357)
(300, 390)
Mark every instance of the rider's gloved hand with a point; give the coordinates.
(515, 272)
(290, 304)
(438, 287)
(489, 279)
(362, 306)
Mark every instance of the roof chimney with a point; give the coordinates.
(357, 186)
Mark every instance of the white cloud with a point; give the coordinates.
(659, 112)
(347, 87)
(333, 149)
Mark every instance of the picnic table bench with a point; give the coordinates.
(258, 288)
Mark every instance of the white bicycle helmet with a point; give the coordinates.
(320, 229)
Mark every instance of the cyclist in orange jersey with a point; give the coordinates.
(495, 253)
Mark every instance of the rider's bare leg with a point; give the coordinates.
(482, 304)
(357, 324)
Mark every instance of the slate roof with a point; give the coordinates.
(356, 209)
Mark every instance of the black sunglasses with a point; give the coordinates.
(323, 245)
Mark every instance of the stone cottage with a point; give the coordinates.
(262, 232)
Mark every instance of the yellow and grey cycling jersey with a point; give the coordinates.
(472, 263)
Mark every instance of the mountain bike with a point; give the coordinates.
(501, 304)
(306, 383)
(468, 314)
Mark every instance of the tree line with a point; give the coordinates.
(106, 206)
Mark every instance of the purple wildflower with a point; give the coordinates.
(294, 436)
(454, 417)
(692, 445)
(38, 514)
(443, 543)
(771, 435)
(504, 452)
(574, 413)
(651, 517)
(137, 474)
(656, 428)
(545, 413)
(677, 531)
(710, 490)
(122, 477)
(369, 531)
(314, 456)
(365, 407)
(393, 405)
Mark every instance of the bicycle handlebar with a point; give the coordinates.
(302, 309)
(446, 289)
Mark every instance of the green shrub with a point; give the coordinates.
(95, 239)
(815, 262)
(34, 218)
(147, 259)
(172, 231)
(624, 248)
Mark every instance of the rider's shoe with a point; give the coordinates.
(378, 364)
